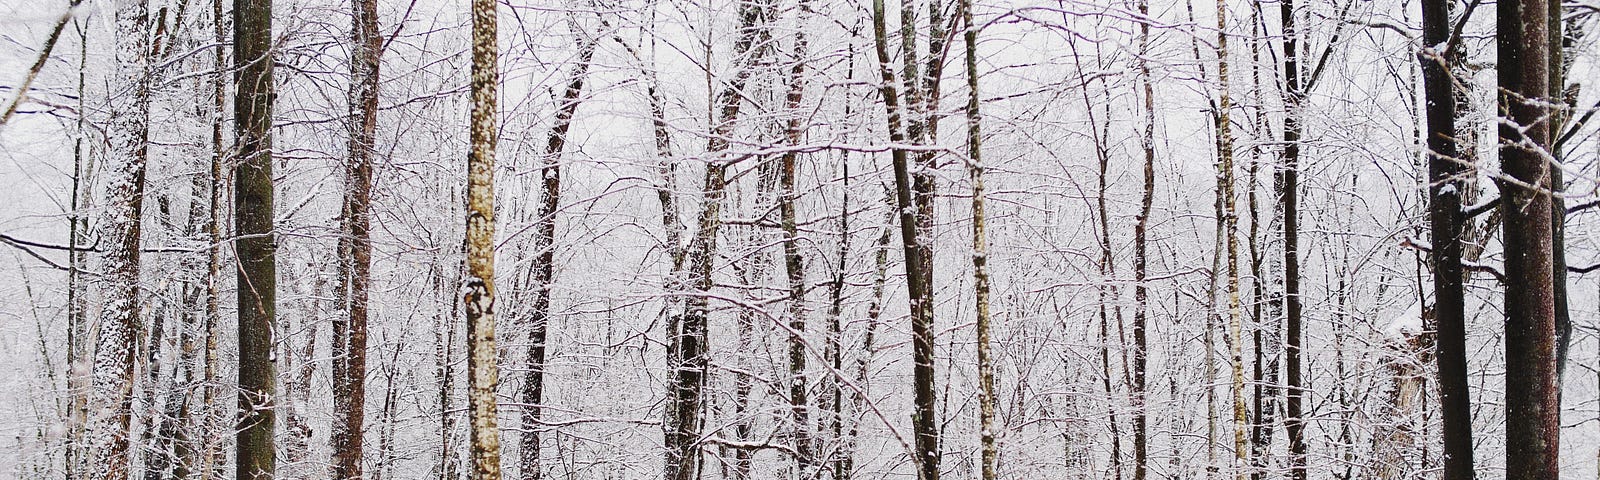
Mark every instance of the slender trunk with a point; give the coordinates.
(483, 372)
(980, 253)
(1230, 227)
(1445, 191)
(355, 245)
(794, 265)
(1141, 294)
(210, 449)
(544, 266)
(77, 316)
(1294, 418)
(111, 387)
(1558, 63)
(688, 346)
(1532, 402)
(909, 202)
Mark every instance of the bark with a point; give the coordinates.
(1294, 417)
(687, 356)
(1230, 227)
(1445, 191)
(1141, 294)
(111, 387)
(77, 311)
(913, 201)
(980, 253)
(544, 266)
(794, 264)
(256, 247)
(355, 245)
(1532, 400)
(483, 373)
(210, 418)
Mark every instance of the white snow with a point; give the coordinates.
(1406, 325)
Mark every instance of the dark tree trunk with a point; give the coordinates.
(256, 246)
(1532, 401)
(1445, 190)
(687, 355)
(355, 246)
(1294, 422)
(544, 266)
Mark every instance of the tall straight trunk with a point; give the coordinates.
(1294, 417)
(1444, 212)
(909, 200)
(688, 352)
(111, 387)
(483, 373)
(256, 247)
(1141, 293)
(210, 448)
(1532, 400)
(1229, 230)
(544, 267)
(794, 264)
(980, 252)
(355, 245)
(77, 311)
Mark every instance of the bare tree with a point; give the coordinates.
(478, 294)
(1532, 398)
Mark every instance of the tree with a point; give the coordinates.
(478, 294)
(1445, 188)
(255, 246)
(1294, 97)
(111, 388)
(908, 120)
(1532, 397)
(544, 236)
(980, 252)
(355, 244)
(687, 354)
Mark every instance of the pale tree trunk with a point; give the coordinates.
(111, 387)
(355, 246)
(1228, 228)
(209, 451)
(1532, 400)
(483, 373)
(980, 254)
(544, 266)
(77, 311)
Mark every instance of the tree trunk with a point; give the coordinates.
(1294, 418)
(111, 387)
(1141, 294)
(256, 247)
(794, 265)
(1444, 212)
(355, 245)
(1532, 400)
(914, 202)
(544, 267)
(980, 254)
(687, 356)
(1230, 227)
(483, 373)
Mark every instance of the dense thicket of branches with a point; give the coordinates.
(694, 239)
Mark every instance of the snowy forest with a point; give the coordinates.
(800, 239)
